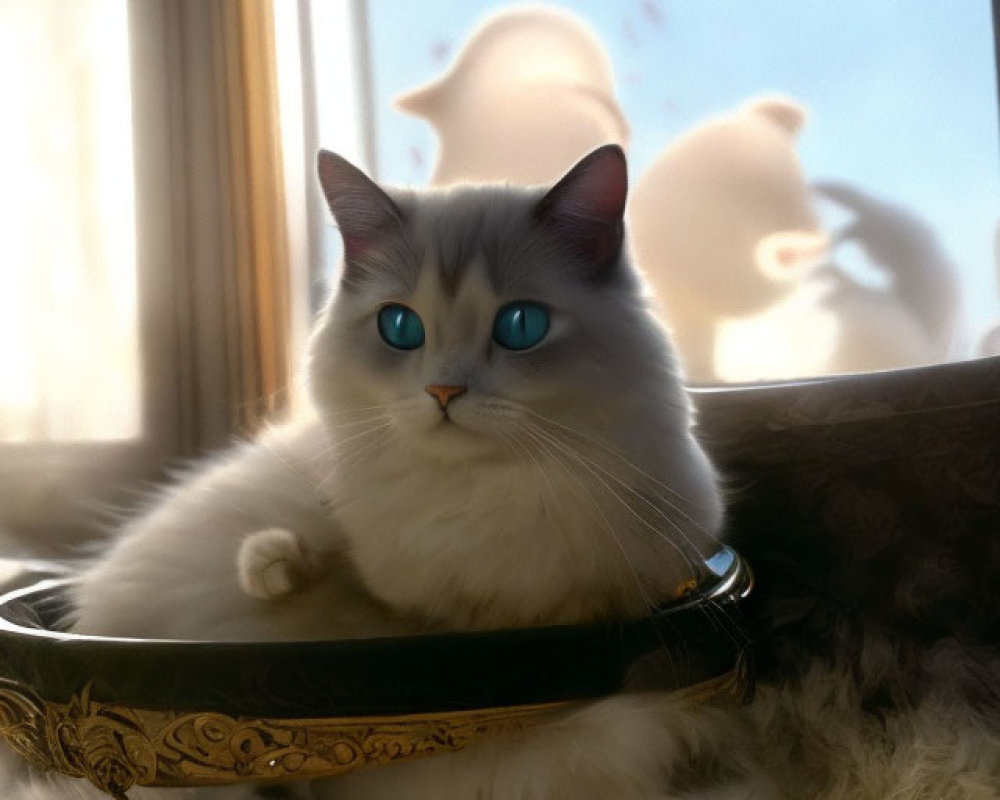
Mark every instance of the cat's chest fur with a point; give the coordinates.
(482, 544)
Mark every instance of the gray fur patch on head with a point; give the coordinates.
(466, 225)
(496, 226)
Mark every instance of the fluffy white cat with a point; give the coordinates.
(500, 439)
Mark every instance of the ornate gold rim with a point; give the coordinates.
(116, 748)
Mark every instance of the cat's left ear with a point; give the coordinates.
(363, 211)
(586, 207)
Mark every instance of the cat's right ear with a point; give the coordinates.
(363, 211)
(586, 206)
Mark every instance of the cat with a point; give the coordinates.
(500, 439)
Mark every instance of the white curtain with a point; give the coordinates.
(69, 354)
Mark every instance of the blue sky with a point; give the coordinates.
(902, 95)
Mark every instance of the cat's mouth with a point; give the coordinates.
(447, 422)
(447, 426)
(448, 438)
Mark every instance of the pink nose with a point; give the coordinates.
(444, 393)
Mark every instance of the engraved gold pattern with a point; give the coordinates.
(116, 748)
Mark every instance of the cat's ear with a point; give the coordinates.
(586, 206)
(363, 212)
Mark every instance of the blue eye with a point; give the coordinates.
(520, 325)
(400, 327)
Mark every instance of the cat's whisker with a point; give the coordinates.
(559, 430)
(541, 472)
(335, 443)
(688, 560)
(628, 463)
(580, 490)
(346, 426)
(383, 436)
(649, 503)
(735, 633)
(503, 409)
(588, 497)
(519, 449)
(357, 409)
(722, 623)
(613, 452)
(339, 443)
(320, 486)
(365, 441)
(291, 466)
(341, 449)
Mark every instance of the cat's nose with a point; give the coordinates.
(444, 392)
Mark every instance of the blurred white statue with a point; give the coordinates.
(530, 93)
(724, 228)
(834, 323)
(722, 224)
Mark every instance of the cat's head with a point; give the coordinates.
(475, 321)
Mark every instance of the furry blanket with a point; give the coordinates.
(869, 508)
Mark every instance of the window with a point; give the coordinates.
(83, 404)
(900, 108)
(132, 308)
(67, 281)
(146, 308)
(339, 104)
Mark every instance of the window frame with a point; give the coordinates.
(54, 493)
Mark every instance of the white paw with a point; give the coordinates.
(272, 563)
